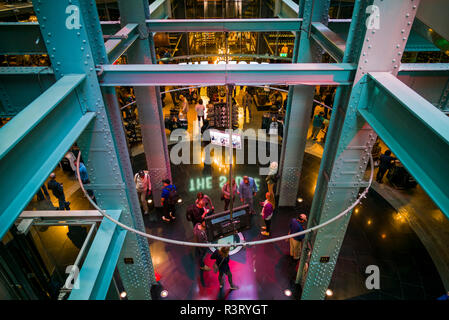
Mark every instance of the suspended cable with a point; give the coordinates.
(244, 244)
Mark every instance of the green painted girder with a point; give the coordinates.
(96, 273)
(415, 131)
(288, 9)
(34, 141)
(224, 25)
(13, 98)
(331, 42)
(116, 47)
(25, 37)
(159, 9)
(221, 74)
(415, 42)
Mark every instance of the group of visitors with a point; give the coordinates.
(203, 206)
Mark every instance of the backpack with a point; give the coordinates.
(172, 196)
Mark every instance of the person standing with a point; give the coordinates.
(85, 180)
(205, 199)
(200, 110)
(184, 105)
(267, 213)
(385, 164)
(247, 191)
(226, 193)
(196, 213)
(221, 257)
(58, 192)
(143, 187)
(297, 225)
(169, 198)
(200, 236)
(317, 124)
(271, 180)
(247, 101)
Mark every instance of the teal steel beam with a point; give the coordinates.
(351, 55)
(299, 107)
(33, 143)
(224, 25)
(381, 51)
(78, 48)
(12, 81)
(160, 9)
(424, 69)
(385, 99)
(221, 74)
(20, 38)
(148, 97)
(288, 9)
(95, 276)
(116, 47)
(328, 40)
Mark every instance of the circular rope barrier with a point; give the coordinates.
(244, 244)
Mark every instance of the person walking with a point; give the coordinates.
(143, 187)
(58, 192)
(221, 257)
(247, 192)
(317, 124)
(385, 163)
(200, 110)
(200, 236)
(226, 193)
(297, 225)
(247, 101)
(267, 213)
(169, 198)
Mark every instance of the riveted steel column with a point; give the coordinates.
(148, 98)
(299, 106)
(73, 38)
(382, 51)
(139, 281)
(353, 46)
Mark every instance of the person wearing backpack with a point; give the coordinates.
(169, 198)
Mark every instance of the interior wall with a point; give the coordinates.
(434, 14)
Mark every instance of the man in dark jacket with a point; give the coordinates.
(199, 232)
(196, 213)
(58, 192)
(385, 164)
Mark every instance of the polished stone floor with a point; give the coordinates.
(375, 236)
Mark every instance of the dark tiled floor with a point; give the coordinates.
(264, 272)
